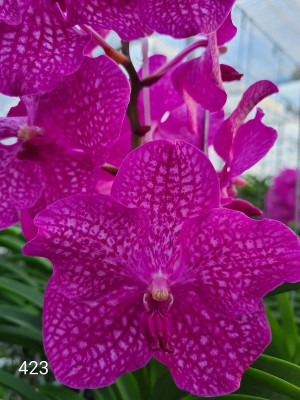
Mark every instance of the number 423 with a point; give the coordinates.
(43, 368)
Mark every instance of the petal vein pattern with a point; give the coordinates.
(171, 182)
(232, 269)
(37, 53)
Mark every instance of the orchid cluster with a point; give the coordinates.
(153, 255)
(280, 200)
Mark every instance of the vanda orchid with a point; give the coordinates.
(106, 164)
(153, 270)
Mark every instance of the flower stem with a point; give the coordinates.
(112, 53)
(137, 130)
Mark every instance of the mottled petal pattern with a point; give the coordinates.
(98, 93)
(37, 53)
(183, 18)
(20, 184)
(90, 343)
(118, 15)
(211, 350)
(233, 260)
(102, 239)
(63, 174)
(171, 182)
(11, 11)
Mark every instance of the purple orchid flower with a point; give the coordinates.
(11, 11)
(137, 18)
(201, 78)
(64, 137)
(36, 48)
(154, 271)
(242, 145)
(280, 198)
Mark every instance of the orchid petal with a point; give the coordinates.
(232, 269)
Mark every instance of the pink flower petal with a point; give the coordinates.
(183, 18)
(177, 126)
(89, 344)
(253, 95)
(251, 143)
(212, 351)
(280, 198)
(94, 244)
(163, 95)
(36, 54)
(9, 127)
(172, 183)
(233, 261)
(245, 207)
(102, 101)
(63, 174)
(11, 11)
(20, 184)
(201, 78)
(120, 16)
(226, 32)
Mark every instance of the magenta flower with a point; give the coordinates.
(201, 78)
(242, 145)
(64, 138)
(36, 48)
(11, 11)
(280, 198)
(158, 270)
(132, 19)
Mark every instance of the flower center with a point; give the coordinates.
(28, 132)
(155, 321)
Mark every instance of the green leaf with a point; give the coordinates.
(14, 244)
(288, 321)
(264, 380)
(22, 290)
(17, 270)
(26, 391)
(286, 287)
(128, 387)
(278, 337)
(20, 317)
(59, 392)
(22, 336)
(165, 388)
(280, 368)
(105, 393)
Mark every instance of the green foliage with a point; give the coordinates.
(254, 191)
(274, 376)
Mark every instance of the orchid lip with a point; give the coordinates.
(156, 321)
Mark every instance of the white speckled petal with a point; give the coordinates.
(98, 93)
(184, 18)
(89, 344)
(212, 351)
(171, 182)
(118, 15)
(11, 11)
(94, 243)
(63, 174)
(20, 184)
(37, 53)
(233, 261)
